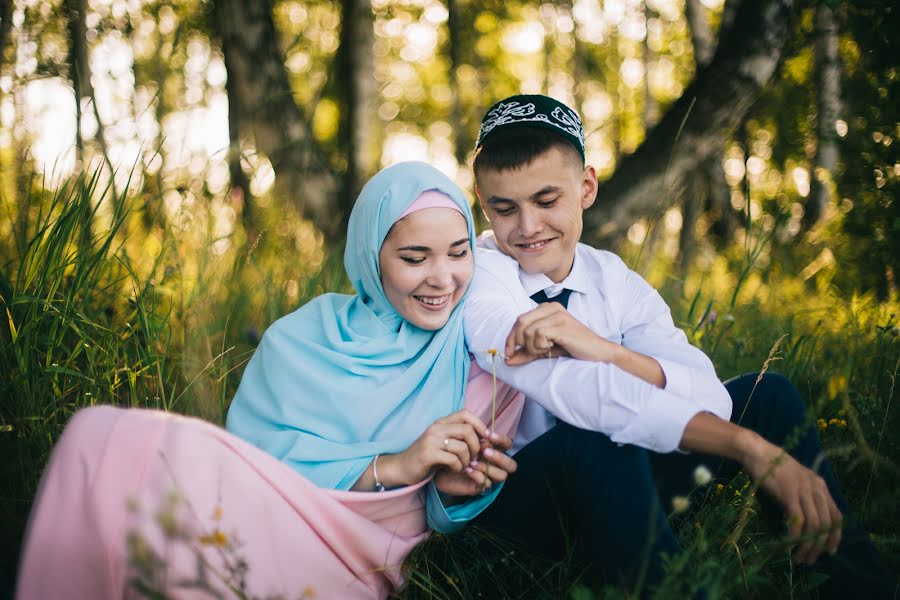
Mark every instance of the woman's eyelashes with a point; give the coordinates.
(418, 260)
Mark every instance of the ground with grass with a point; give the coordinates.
(166, 319)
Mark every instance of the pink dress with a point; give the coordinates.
(146, 500)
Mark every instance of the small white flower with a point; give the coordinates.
(680, 504)
(702, 476)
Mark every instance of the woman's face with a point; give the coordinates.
(426, 265)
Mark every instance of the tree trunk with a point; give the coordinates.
(154, 213)
(262, 93)
(240, 183)
(578, 66)
(691, 204)
(80, 75)
(692, 130)
(460, 150)
(358, 89)
(706, 186)
(828, 105)
(79, 68)
(703, 38)
(651, 107)
(6, 11)
(613, 89)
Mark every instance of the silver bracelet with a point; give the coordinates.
(379, 487)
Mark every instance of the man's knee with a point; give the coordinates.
(780, 398)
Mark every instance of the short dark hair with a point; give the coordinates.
(516, 147)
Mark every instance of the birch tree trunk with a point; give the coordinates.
(828, 105)
(261, 93)
(651, 107)
(693, 128)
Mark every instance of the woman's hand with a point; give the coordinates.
(490, 467)
(450, 443)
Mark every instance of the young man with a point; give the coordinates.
(621, 408)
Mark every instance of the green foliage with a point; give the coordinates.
(89, 316)
(86, 319)
(147, 300)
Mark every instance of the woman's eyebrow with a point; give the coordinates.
(458, 242)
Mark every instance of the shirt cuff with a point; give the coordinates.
(448, 519)
(678, 378)
(660, 425)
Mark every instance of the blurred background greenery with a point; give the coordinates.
(174, 175)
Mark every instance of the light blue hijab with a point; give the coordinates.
(344, 378)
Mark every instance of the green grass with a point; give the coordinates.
(98, 307)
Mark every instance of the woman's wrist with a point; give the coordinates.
(390, 471)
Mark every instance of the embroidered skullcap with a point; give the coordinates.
(533, 110)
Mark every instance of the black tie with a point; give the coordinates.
(562, 298)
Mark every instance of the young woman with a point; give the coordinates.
(348, 394)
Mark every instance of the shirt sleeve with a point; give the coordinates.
(647, 327)
(589, 395)
(448, 519)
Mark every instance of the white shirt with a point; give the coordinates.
(617, 304)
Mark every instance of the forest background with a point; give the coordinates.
(176, 174)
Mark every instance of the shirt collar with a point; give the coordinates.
(577, 280)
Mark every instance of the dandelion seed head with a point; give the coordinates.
(702, 476)
(680, 504)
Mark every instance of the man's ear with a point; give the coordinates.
(588, 187)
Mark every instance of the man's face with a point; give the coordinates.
(535, 210)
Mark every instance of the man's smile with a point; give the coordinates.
(535, 246)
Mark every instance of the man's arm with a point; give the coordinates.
(595, 396)
(647, 328)
(551, 330)
(603, 398)
(808, 505)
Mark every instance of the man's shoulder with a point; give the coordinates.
(493, 263)
(488, 258)
(607, 262)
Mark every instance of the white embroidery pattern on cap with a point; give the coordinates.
(513, 112)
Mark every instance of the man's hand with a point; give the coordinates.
(492, 466)
(811, 512)
(551, 331)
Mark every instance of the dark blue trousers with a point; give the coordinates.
(578, 489)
